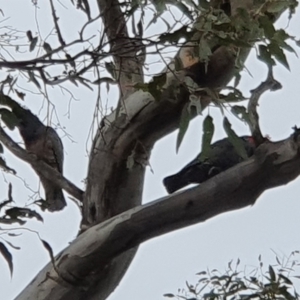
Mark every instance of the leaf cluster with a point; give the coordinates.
(275, 283)
(12, 215)
(237, 31)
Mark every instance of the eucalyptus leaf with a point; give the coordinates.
(234, 139)
(241, 113)
(276, 6)
(183, 125)
(278, 53)
(207, 135)
(265, 55)
(33, 43)
(7, 256)
(5, 167)
(267, 25)
(50, 251)
(9, 118)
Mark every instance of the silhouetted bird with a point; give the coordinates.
(45, 143)
(222, 156)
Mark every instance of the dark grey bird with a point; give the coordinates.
(222, 156)
(44, 142)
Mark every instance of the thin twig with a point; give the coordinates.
(55, 18)
(270, 84)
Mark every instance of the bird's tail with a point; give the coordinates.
(174, 182)
(55, 198)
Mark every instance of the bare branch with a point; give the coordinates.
(270, 84)
(55, 20)
(124, 49)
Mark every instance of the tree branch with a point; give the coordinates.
(55, 20)
(124, 49)
(270, 84)
(41, 166)
(273, 164)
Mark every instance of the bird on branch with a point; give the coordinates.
(221, 157)
(44, 142)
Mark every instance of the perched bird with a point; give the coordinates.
(44, 142)
(217, 72)
(222, 156)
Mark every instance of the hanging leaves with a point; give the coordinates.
(267, 25)
(29, 35)
(207, 135)
(7, 256)
(49, 249)
(154, 87)
(241, 113)
(111, 69)
(183, 125)
(5, 167)
(33, 79)
(234, 139)
(21, 212)
(33, 43)
(279, 54)
(9, 118)
(47, 48)
(265, 55)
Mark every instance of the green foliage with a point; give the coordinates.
(50, 251)
(265, 55)
(111, 69)
(175, 36)
(10, 216)
(8, 118)
(234, 96)
(235, 139)
(234, 284)
(160, 7)
(7, 256)
(183, 125)
(20, 212)
(190, 109)
(154, 87)
(33, 43)
(33, 79)
(208, 132)
(204, 4)
(215, 28)
(241, 113)
(5, 167)
(272, 42)
(47, 47)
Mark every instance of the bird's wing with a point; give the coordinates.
(54, 154)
